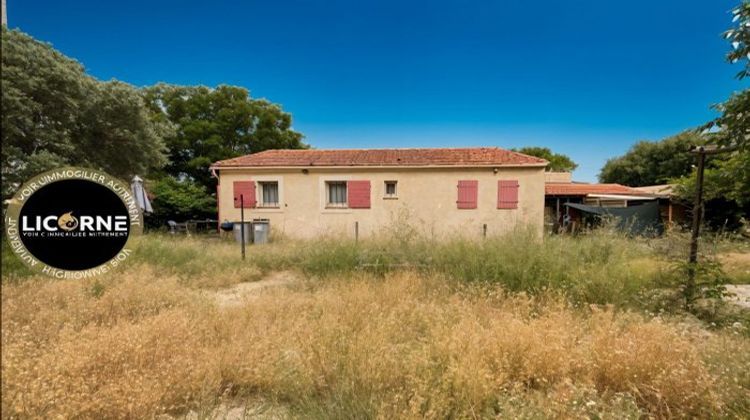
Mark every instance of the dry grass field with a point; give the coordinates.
(392, 328)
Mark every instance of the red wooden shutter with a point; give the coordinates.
(467, 194)
(358, 193)
(507, 194)
(247, 189)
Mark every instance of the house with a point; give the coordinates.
(566, 200)
(445, 192)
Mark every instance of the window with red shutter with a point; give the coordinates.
(507, 194)
(359, 194)
(247, 190)
(467, 194)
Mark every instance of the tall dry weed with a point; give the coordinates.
(398, 346)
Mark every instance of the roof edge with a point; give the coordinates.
(504, 165)
(224, 163)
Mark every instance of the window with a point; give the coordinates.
(269, 194)
(390, 189)
(336, 194)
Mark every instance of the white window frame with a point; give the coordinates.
(261, 199)
(331, 205)
(279, 180)
(395, 189)
(323, 192)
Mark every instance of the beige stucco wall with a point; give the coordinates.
(558, 177)
(426, 201)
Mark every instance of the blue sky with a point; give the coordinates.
(583, 77)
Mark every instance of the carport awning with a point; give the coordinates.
(586, 209)
(639, 219)
(622, 197)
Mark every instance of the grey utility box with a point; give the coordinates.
(261, 229)
(237, 228)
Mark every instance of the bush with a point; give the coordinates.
(179, 201)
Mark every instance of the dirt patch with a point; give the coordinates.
(235, 295)
(737, 266)
(254, 411)
(741, 294)
(738, 259)
(248, 410)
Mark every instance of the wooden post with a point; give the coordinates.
(484, 230)
(702, 151)
(669, 213)
(356, 231)
(696, 228)
(697, 207)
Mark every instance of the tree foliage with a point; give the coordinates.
(216, 124)
(731, 177)
(727, 176)
(54, 114)
(653, 163)
(180, 200)
(739, 37)
(557, 162)
(734, 123)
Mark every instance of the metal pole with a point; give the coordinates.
(143, 210)
(242, 224)
(143, 197)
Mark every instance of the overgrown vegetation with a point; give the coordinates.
(396, 326)
(139, 344)
(602, 266)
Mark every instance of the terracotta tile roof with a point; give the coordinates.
(478, 156)
(573, 188)
(664, 190)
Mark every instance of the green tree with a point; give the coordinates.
(557, 162)
(734, 123)
(653, 163)
(727, 175)
(216, 124)
(179, 200)
(54, 114)
(739, 37)
(116, 132)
